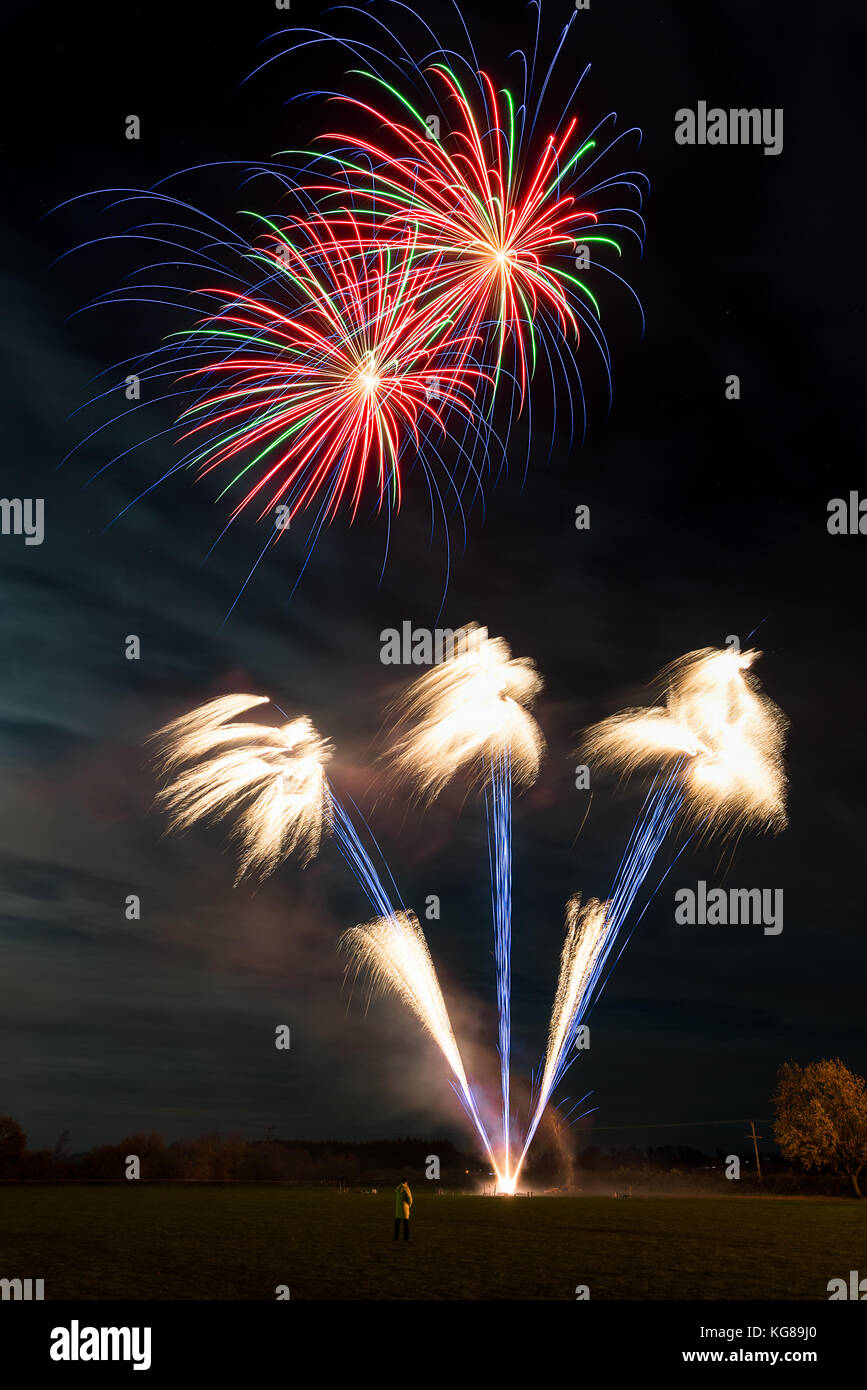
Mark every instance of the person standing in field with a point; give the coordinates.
(402, 1205)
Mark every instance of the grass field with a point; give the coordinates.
(241, 1242)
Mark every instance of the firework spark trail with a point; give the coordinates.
(588, 931)
(655, 819)
(470, 715)
(719, 742)
(498, 809)
(359, 861)
(394, 950)
(393, 953)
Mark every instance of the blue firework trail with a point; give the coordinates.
(657, 815)
(359, 862)
(498, 807)
(661, 805)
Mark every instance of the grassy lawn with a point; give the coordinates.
(240, 1243)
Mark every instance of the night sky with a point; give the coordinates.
(708, 518)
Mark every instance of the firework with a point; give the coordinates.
(587, 928)
(269, 781)
(716, 744)
(318, 372)
(490, 229)
(499, 190)
(368, 330)
(320, 398)
(467, 713)
(359, 862)
(723, 734)
(393, 953)
(470, 715)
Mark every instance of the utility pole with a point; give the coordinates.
(755, 1138)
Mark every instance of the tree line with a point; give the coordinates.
(820, 1127)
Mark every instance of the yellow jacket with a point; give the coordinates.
(402, 1201)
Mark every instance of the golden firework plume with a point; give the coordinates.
(729, 736)
(587, 929)
(269, 778)
(393, 953)
(467, 712)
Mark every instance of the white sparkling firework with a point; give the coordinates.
(269, 780)
(466, 713)
(729, 736)
(393, 954)
(587, 929)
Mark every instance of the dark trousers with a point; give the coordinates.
(397, 1221)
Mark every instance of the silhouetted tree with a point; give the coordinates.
(822, 1117)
